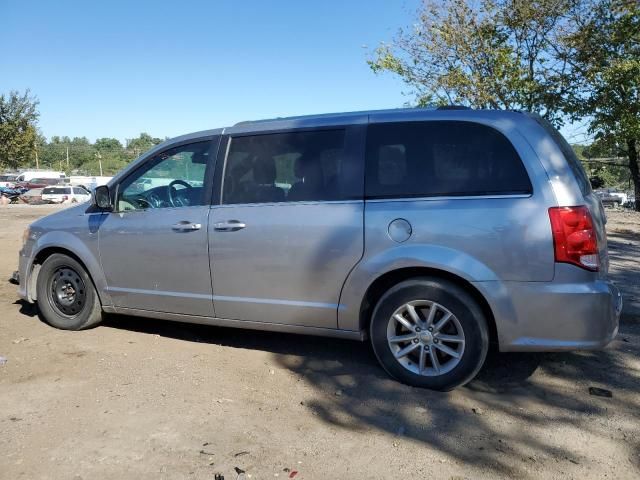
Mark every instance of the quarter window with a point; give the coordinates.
(287, 167)
(449, 158)
(570, 156)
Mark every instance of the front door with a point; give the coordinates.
(153, 247)
(289, 226)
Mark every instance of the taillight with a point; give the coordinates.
(574, 237)
(65, 198)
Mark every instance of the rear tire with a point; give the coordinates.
(66, 296)
(430, 333)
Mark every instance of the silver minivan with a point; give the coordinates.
(434, 233)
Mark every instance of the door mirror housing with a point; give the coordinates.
(102, 198)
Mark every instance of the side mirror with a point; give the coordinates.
(102, 198)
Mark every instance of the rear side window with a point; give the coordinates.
(56, 191)
(569, 155)
(287, 167)
(447, 158)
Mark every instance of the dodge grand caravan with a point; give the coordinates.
(432, 233)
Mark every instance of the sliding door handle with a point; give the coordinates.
(186, 226)
(229, 226)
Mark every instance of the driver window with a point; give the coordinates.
(173, 178)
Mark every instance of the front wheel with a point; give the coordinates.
(66, 296)
(430, 333)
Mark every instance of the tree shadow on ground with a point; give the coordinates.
(494, 422)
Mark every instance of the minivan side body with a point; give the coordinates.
(246, 240)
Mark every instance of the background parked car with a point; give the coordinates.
(65, 194)
(612, 197)
(38, 183)
(7, 181)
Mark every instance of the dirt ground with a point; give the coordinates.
(145, 399)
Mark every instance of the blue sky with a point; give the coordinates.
(117, 68)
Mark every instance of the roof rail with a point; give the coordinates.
(453, 107)
(335, 114)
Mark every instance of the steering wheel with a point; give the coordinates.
(176, 201)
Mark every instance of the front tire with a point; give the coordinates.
(429, 333)
(66, 296)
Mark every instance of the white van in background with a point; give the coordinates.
(28, 175)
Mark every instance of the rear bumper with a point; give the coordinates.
(554, 316)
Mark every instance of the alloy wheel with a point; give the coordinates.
(425, 338)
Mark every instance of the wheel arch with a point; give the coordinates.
(44, 253)
(385, 281)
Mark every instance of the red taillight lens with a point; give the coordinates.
(65, 197)
(574, 237)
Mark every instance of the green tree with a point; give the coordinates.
(108, 145)
(604, 55)
(482, 54)
(144, 142)
(601, 161)
(18, 132)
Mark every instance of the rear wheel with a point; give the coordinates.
(430, 333)
(66, 296)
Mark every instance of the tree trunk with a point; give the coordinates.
(632, 152)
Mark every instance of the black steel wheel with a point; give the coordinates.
(67, 298)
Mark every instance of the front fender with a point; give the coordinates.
(85, 250)
(373, 267)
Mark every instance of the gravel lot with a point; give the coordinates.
(147, 399)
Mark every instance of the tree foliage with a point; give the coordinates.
(604, 55)
(142, 143)
(86, 158)
(21, 143)
(18, 128)
(484, 54)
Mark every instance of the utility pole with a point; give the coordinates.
(99, 162)
(37, 162)
(67, 157)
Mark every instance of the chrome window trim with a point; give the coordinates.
(448, 197)
(301, 202)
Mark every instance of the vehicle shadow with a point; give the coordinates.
(26, 308)
(494, 422)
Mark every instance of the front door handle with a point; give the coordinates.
(229, 226)
(186, 226)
